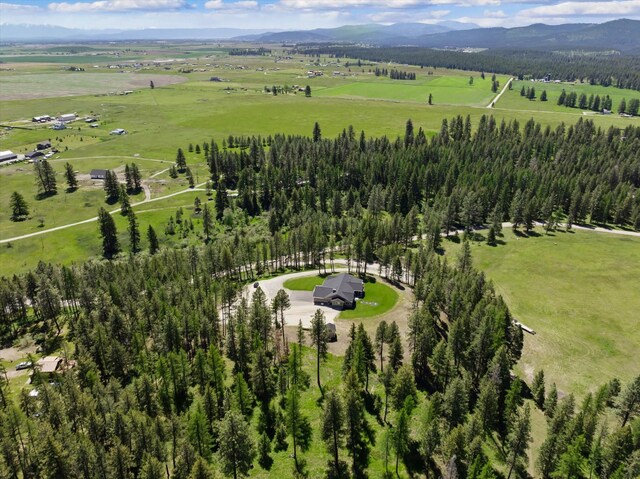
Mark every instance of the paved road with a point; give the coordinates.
(504, 88)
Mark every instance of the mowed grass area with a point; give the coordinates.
(446, 90)
(379, 297)
(513, 101)
(580, 292)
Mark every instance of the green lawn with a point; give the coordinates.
(305, 283)
(579, 292)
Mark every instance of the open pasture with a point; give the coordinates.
(446, 90)
(513, 101)
(579, 292)
(46, 85)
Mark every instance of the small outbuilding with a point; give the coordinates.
(98, 174)
(33, 154)
(7, 155)
(67, 117)
(118, 131)
(43, 145)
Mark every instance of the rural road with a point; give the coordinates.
(504, 88)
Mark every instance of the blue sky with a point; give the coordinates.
(306, 14)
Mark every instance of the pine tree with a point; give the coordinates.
(381, 338)
(319, 340)
(136, 178)
(207, 222)
(317, 133)
(154, 245)
(125, 202)
(408, 133)
(537, 389)
(181, 161)
(298, 425)
(19, 207)
(307, 91)
(134, 232)
(356, 426)
(109, 234)
(236, 447)
(518, 440)
(333, 430)
(430, 99)
(45, 178)
(221, 200)
(111, 187)
(70, 176)
(543, 95)
(401, 436)
(629, 402)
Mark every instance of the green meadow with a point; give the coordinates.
(578, 291)
(513, 101)
(446, 90)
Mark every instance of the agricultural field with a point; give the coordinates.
(46, 85)
(578, 292)
(446, 90)
(513, 101)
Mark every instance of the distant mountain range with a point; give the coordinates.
(36, 33)
(621, 35)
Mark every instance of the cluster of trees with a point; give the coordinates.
(249, 52)
(395, 74)
(594, 103)
(633, 108)
(605, 70)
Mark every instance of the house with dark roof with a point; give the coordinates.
(98, 174)
(33, 154)
(339, 291)
(43, 145)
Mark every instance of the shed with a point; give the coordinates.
(33, 154)
(7, 155)
(43, 145)
(117, 131)
(98, 174)
(67, 117)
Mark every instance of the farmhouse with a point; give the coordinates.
(7, 155)
(98, 174)
(340, 291)
(59, 126)
(43, 145)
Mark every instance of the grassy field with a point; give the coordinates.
(579, 292)
(446, 90)
(513, 101)
(45, 85)
(305, 283)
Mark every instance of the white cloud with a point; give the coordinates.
(234, 6)
(118, 6)
(17, 8)
(395, 4)
(611, 9)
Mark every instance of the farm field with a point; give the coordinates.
(513, 101)
(45, 85)
(578, 291)
(446, 90)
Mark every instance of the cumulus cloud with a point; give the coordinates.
(17, 8)
(395, 4)
(118, 6)
(609, 9)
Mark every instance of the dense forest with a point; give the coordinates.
(176, 373)
(605, 70)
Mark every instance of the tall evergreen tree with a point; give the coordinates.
(19, 207)
(319, 340)
(152, 237)
(134, 232)
(109, 234)
(333, 430)
(297, 424)
(70, 176)
(236, 446)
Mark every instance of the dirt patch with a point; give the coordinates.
(14, 354)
